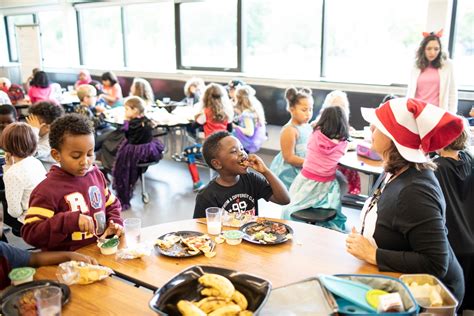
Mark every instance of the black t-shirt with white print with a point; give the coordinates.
(242, 197)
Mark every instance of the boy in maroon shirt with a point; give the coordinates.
(72, 205)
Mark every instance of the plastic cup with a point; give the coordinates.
(132, 228)
(214, 220)
(48, 301)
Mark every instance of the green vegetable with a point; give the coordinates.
(112, 242)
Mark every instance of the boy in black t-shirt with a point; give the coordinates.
(235, 189)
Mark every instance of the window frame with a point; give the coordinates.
(179, 64)
(8, 35)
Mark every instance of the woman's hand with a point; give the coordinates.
(358, 246)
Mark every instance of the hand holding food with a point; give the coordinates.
(256, 163)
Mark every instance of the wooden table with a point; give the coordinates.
(107, 297)
(313, 250)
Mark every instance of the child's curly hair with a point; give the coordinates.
(70, 124)
(47, 111)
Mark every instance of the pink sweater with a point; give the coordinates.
(427, 87)
(322, 157)
(39, 94)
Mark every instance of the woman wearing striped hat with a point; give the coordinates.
(402, 224)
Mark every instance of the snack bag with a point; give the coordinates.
(74, 272)
(138, 251)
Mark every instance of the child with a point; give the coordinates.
(84, 77)
(8, 115)
(111, 90)
(40, 89)
(235, 189)
(87, 95)
(12, 257)
(73, 204)
(21, 172)
(42, 115)
(294, 135)
(216, 110)
(232, 88)
(142, 88)
(456, 178)
(250, 128)
(348, 179)
(193, 89)
(316, 186)
(138, 146)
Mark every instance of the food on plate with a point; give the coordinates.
(236, 219)
(221, 299)
(21, 275)
(267, 232)
(74, 272)
(168, 241)
(26, 304)
(180, 246)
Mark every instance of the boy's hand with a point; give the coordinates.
(80, 257)
(86, 224)
(113, 229)
(34, 121)
(256, 163)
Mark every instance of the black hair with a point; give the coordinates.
(69, 124)
(293, 96)
(47, 111)
(211, 146)
(6, 109)
(40, 79)
(110, 76)
(333, 123)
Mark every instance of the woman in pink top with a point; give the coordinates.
(316, 186)
(40, 89)
(83, 78)
(432, 79)
(112, 92)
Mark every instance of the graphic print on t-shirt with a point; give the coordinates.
(241, 203)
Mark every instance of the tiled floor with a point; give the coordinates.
(169, 186)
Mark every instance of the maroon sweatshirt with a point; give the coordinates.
(51, 222)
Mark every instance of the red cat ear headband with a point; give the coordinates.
(438, 34)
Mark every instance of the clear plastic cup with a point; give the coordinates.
(132, 228)
(214, 220)
(48, 301)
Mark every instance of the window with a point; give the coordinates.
(208, 33)
(464, 43)
(59, 49)
(373, 41)
(101, 37)
(12, 21)
(282, 39)
(150, 37)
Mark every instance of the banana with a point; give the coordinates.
(218, 282)
(240, 299)
(245, 313)
(210, 292)
(210, 304)
(229, 310)
(189, 309)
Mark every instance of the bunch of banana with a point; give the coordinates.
(222, 299)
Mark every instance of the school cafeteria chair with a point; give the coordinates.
(314, 215)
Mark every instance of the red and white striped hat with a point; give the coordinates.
(416, 127)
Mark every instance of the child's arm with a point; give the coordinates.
(288, 142)
(47, 258)
(280, 194)
(14, 188)
(43, 150)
